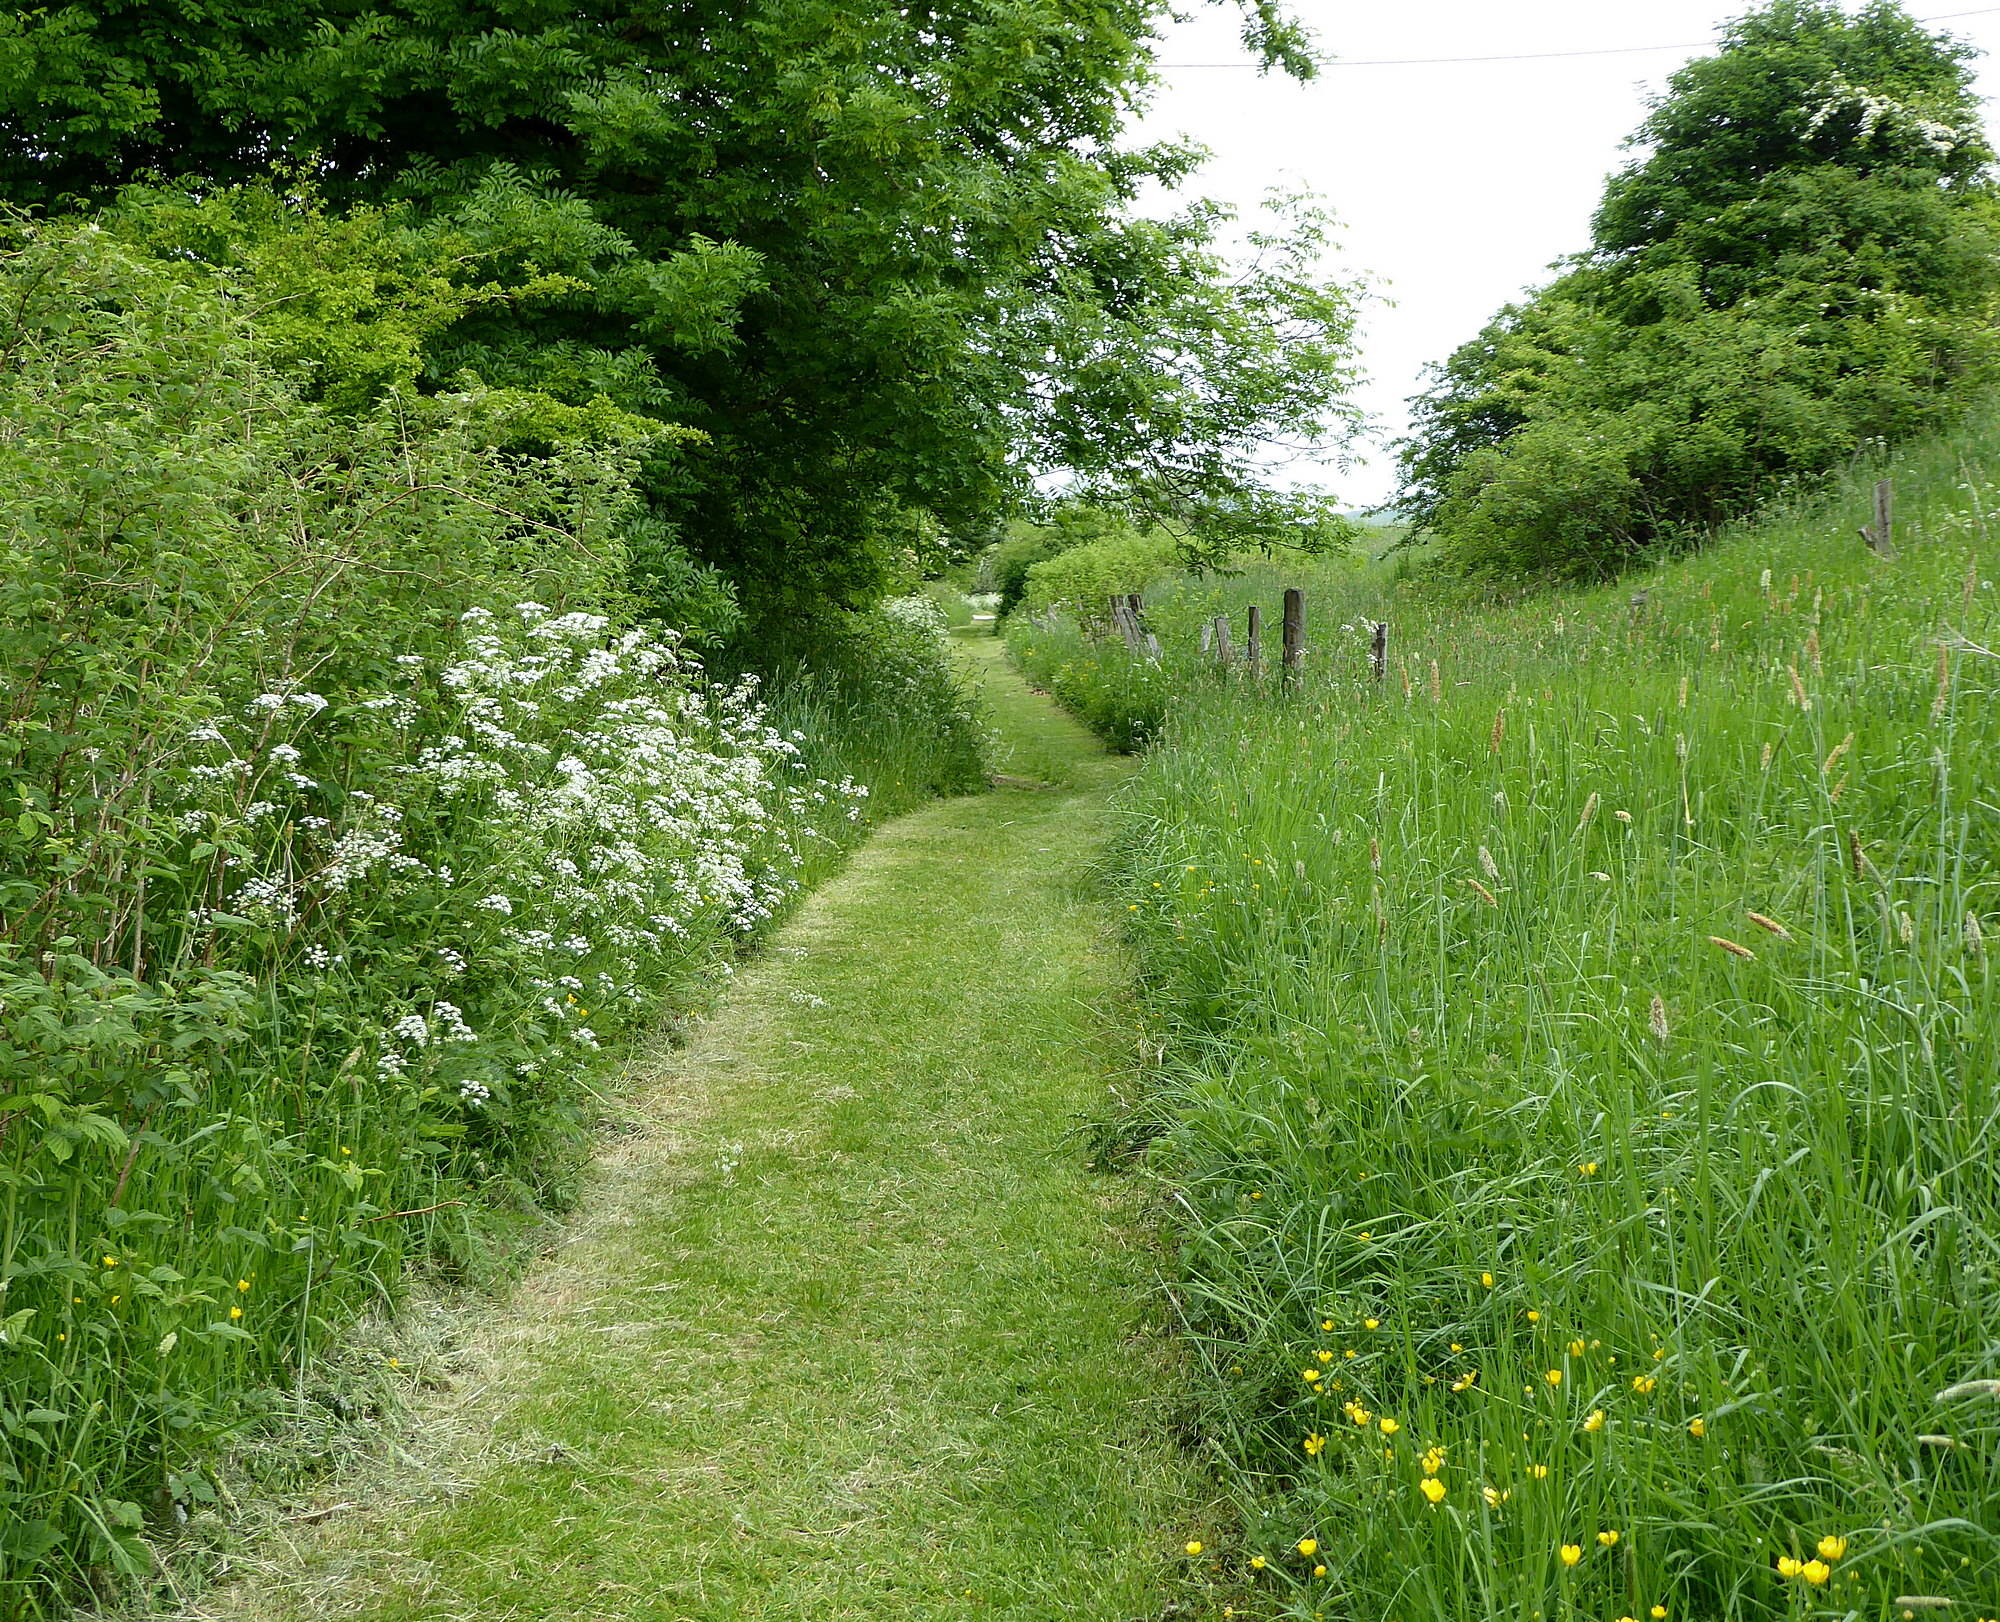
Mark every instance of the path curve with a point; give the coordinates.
(847, 1329)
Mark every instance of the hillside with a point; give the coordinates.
(1579, 1086)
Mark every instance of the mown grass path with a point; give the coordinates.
(847, 1329)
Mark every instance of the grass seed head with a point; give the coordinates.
(1769, 925)
(1833, 759)
(1732, 947)
(1657, 1018)
(1589, 811)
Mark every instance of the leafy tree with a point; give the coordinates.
(1801, 261)
(881, 258)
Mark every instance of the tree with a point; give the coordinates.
(1801, 260)
(879, 257)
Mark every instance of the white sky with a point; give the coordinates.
(1457, 184)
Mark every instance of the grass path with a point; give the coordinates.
(846, 1329)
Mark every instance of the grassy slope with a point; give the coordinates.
(1469, 1101)
(845, 1329)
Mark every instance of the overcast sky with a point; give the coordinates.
(1458, 183)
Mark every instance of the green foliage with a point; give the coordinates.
(1802, 263)
(883, 258)
(1082, 577)
(1599, 1017)
(341, 828)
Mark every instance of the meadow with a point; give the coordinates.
(1579, 1068)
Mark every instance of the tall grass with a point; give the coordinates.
(1582, 1086)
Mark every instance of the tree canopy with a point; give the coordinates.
(1799, 259)
(883, 259)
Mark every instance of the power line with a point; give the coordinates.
(1533, 56)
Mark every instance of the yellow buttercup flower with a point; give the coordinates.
(1643, 1384)
(1658, 1613)
(1539, 1471)
(1570, 1554)
(1697, 1427)
(1595, 1422)
(1486, 1279)
(1432, 1488)
(1310, 1376)
(242, 1284)
(1576, 1348)
(1194, 1546)
(1308, 1547)
(1315, 1444)
(1588, 1168)
(1433, 1460)
(1816, 1572)
(1554, 1377)
(1326, 1324)
(1465, 1382)
(1371, 1323)
(1326, 1357)
(1319, 1571)
(1607, 1538)
(110, 1261)
(1390, 1427)
(1356, 1412)
(1832, 1548)
(235, 1312)
(1788, 1567)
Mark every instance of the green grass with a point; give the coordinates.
(1468, 1110)
(845, 1328)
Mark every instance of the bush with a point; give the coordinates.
(1801, 265)
(346, 829)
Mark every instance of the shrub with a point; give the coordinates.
(345, 829)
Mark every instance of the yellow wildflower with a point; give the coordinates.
(1326, 1357)
(1658, 1613)
(1319, 1571)
(1315, 1444)
(1643, 1384)
(235, 1312)
(1554, 1377)
(1570, 1553)
(1432, 1488)
(1486, 1279)
(1816, 1572)
(1465, 1382)
(1371, 1323)
(1832, 1548)
(1588, 1168)
(242, 1284)
(1595, 1422)
(1433, 1460)
(1788, 1567)
(110, 1261)
(1308, 1547)
(1576, 1348)
(1326, 1324)
(1310, 1376)
(1390, 1427)
(1257, 1562)
(1194, 1546)
(1607, 1538)
(1539, 1471)
(1697, 1427)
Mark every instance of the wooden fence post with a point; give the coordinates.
(1295, 632)
(1881, 535)
(1253, 641)
(1381, 650)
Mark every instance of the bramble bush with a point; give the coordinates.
(346, 825)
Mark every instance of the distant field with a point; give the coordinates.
(1582, 1070)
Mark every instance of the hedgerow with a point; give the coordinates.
(347, 825)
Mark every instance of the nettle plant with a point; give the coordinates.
(341, 824)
